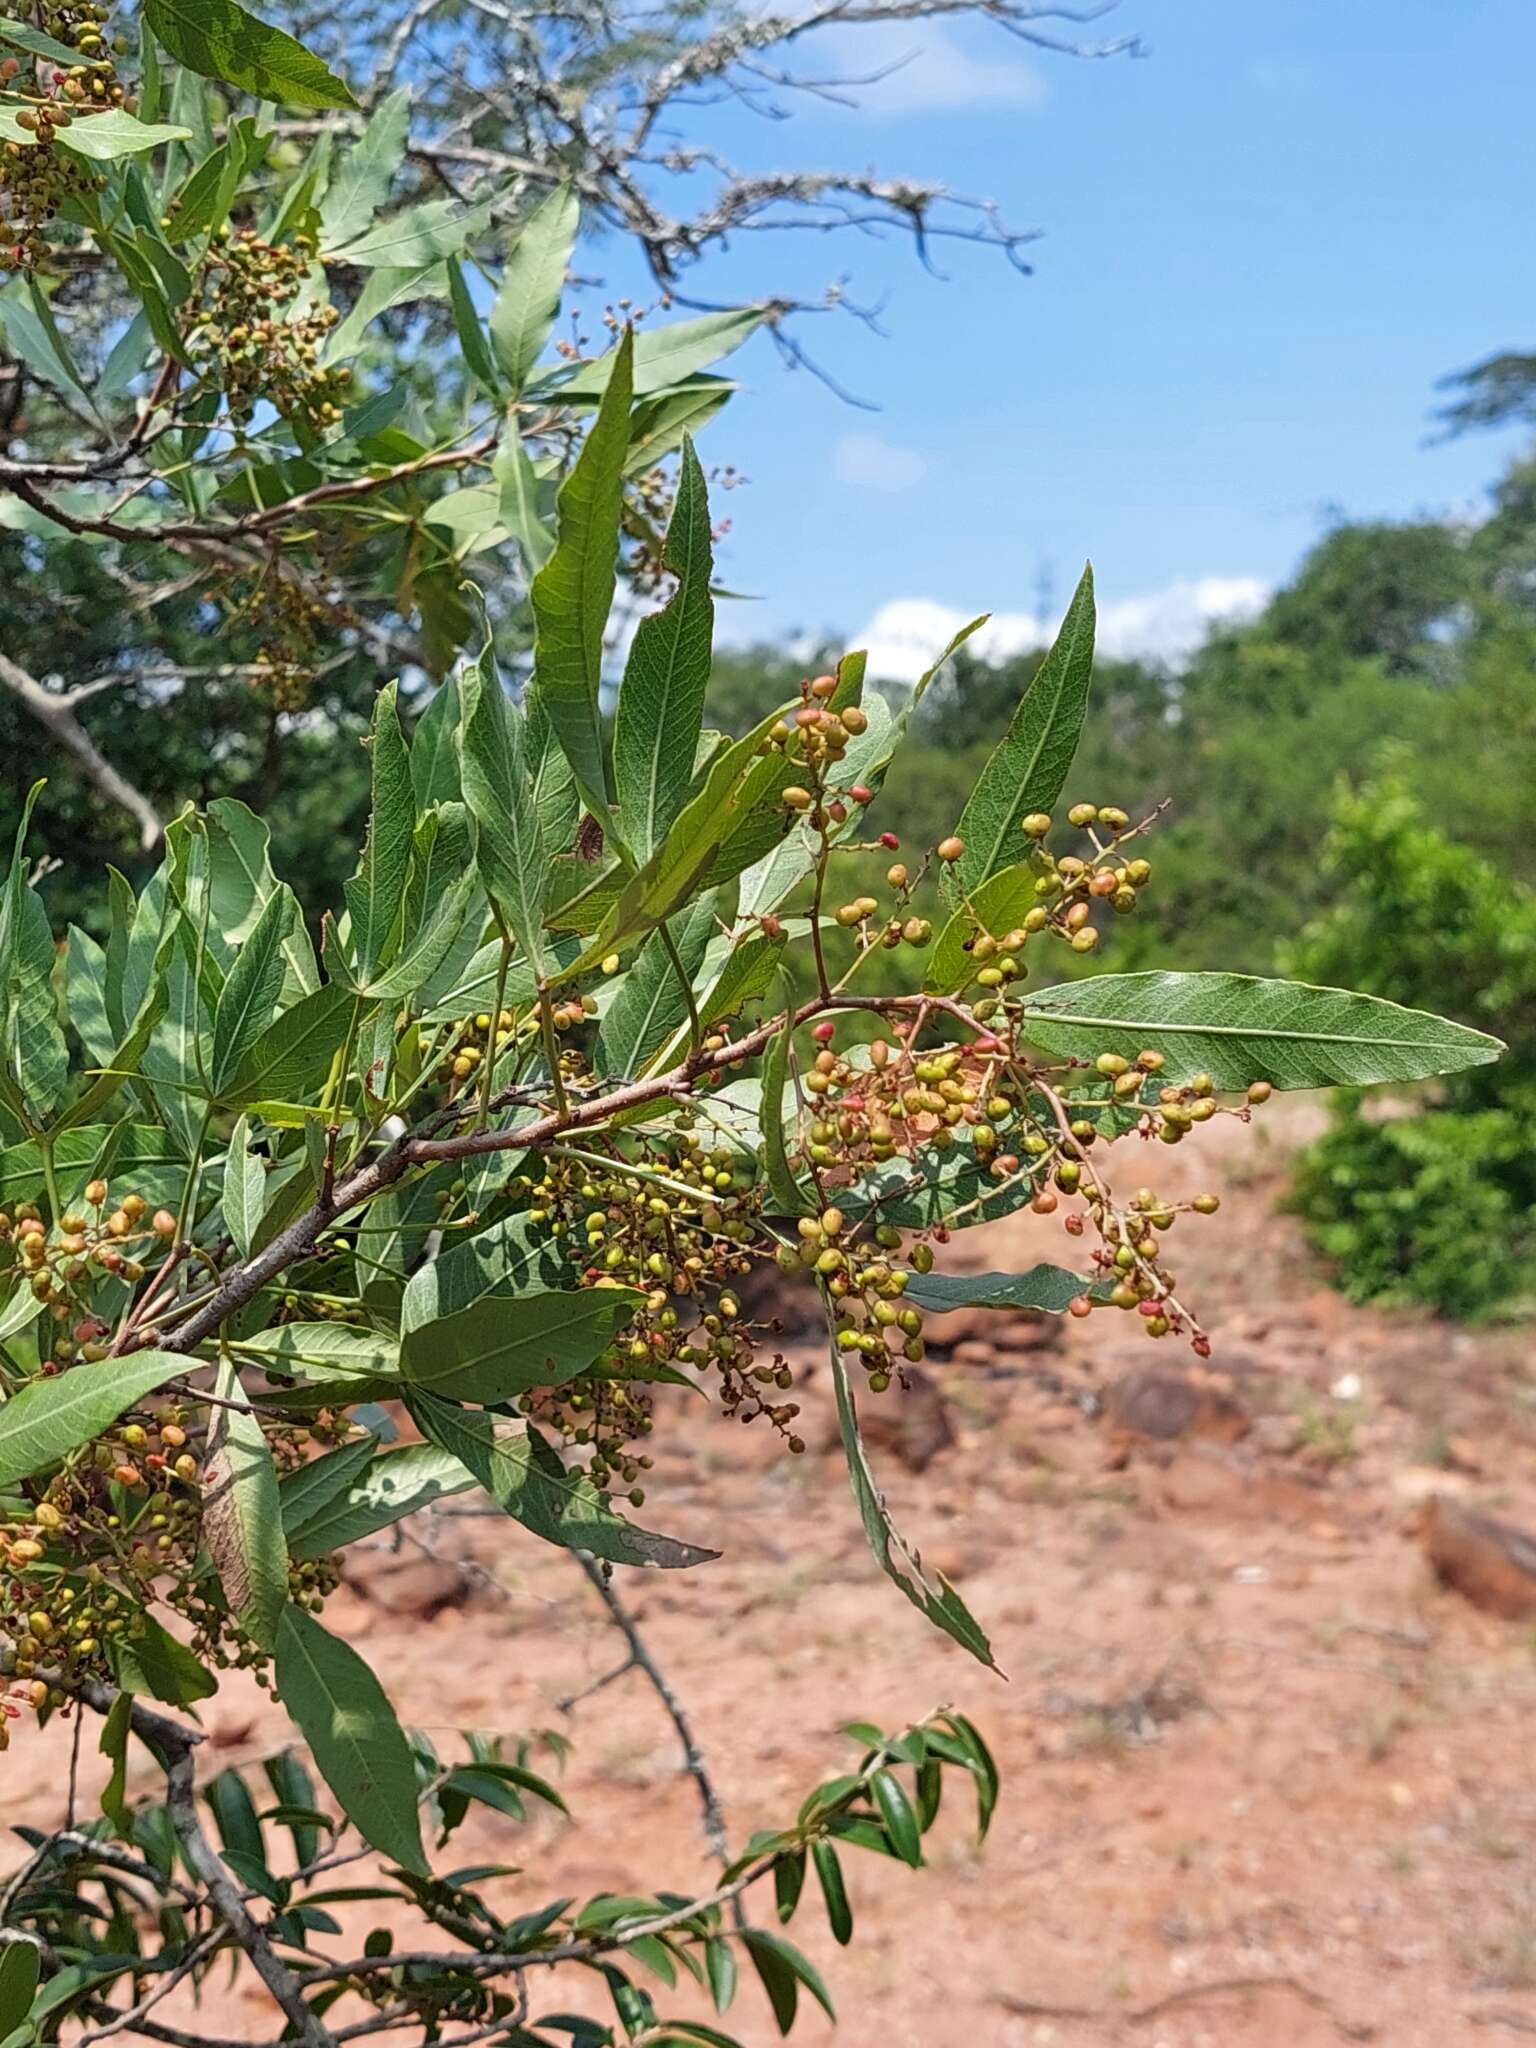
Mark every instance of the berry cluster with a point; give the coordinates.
(259, 353)
(118, 1527)
(64, 1264)
(292, 624)
(36, 176)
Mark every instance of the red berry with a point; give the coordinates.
(824, 1032)
(890, 840)
(861, 793)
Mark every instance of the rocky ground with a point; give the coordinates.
(1265, 1734)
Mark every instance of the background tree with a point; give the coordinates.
(419, 432)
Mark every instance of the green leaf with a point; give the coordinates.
(527, 503)
(528, 302)
(664, 356)
(788, 1197)
(788, 1883)
(49, 1418)
(99, 138)
(829, 1873)
(651, 1002)
(381, 290)
(21, 35)
(476, 349)
(38, 1049)
(1031, 762)
(661, 424)
(293, 1054)
(524, 1476)
(362, 180)
(503, 1345)
(512, 1257)
(339, 1707)
(427, 949)
(395, 1484)
(219, 39)
(114, 1746)
(509, 843)
(375, 893)
(661, 701)
(998, 907)
(33, 334)
(982, 1766)
(251, 992)
(1239, 1029)
(573, 593)
(242, 1521)
(930, 1593)
(783, 1970)
(736, 816)
(311, 1487)
(244, 1193)
(720, 1965)
(152, 1661)
(328, 1352)
(1043, 1287)
(19, 1963)
(900, 1821)
(420, 236)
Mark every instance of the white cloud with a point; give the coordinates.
(904, 636)
(876, 464)
(923, 68)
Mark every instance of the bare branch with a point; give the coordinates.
(57, 715)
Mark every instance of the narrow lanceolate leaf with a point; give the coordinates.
(426, 950)
(502, 1346)
(218, 39)
(250, 994)
(50, 1418)
(734, 819)
(829, 1873)
(664, 356)
(1050, 1288)
(242, 1518)
(1239, 1029)
(661, 701)
(472, 341)
(900, 1821)
(512, 1257)
(291, 1055)
(999, 906)
(38, 1046)
(786, 1193)
(509, 844)
(390, 1487)
(339, 1707)
(114, 1746)
(420, 236)
(360, 183)
(522, 1473)
(308, 1489)
(152, 1662)
(783, 1970)
(114, 133)
(1030, 764)
(573, 593)
(374, 893)
(244, 1193)
(930, 1592)
(651, 1001)
(528, 302)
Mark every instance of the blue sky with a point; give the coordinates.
(1262, 244)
